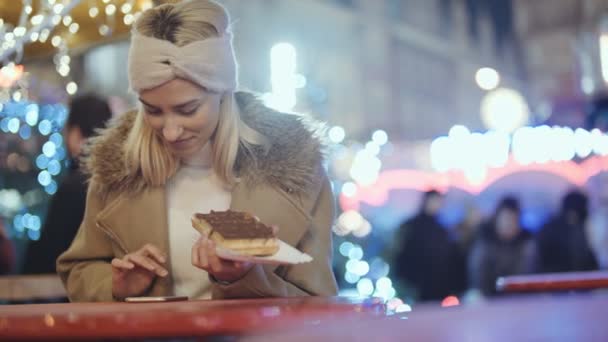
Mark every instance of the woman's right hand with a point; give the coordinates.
(133, 274)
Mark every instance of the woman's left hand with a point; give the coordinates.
(205, 257)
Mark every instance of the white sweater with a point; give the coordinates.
(194, 188)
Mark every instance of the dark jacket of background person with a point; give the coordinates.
(425, 258)
(7, 252)
(464, 235)
(562, 242)
(503, 248)
(66, 210)
(65, 214)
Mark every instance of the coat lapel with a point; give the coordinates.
(137, 220)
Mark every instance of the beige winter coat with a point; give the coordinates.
(287, 187)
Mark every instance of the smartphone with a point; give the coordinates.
(155, 299)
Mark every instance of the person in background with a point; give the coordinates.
(597, 230)
(503, 248)
(562, 242)
(7, 252)
(87, 114)
(426, 253)
(465, 234)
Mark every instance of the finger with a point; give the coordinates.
(201, 240)
(241, 265)
(140, 261)
(122, 264)
(148, 264)
(205, 233)
(202, 254)
(194, 254)
(154, 252)
(275, 229)
(214, 260)
(158, 269)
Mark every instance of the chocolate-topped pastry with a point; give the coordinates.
(238, 231)
(235, 224)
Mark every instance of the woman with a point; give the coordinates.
(193, 146)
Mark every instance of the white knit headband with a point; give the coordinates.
(209, 63)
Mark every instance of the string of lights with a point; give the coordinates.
(28, 120)
(50, 23)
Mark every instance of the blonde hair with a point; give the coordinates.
(146, 153)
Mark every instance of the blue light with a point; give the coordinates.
(345, 248)
(13, 125)
(33, 234)
(44, 178)
(61, 114)
(46, 112)
(384, 285)
(42, 162)
(51, 189)
(60, 153)
(378, 268)
(31, 221)
(45, 127)
(25, 132)
(361, 268)
(26, 220)
(35, 223)
(380, 137)
(31, 114)
(351, 278)
(365, 287)
(356, 253)
(18, 223)
(57, 139)
(23, 118)
(54, 167)
(49, 149)
(351, 264)
(4, 125)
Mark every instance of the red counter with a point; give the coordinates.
(173, 319)
(553, 318)
(580, 317)
(554, 282)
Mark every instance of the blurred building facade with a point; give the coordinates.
(408, 67)
(403, 66)
(564, 68)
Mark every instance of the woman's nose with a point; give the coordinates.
(172, 131)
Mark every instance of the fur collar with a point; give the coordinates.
(292, 162)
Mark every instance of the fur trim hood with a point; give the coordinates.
(292, 161)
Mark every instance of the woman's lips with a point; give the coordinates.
(182, 143)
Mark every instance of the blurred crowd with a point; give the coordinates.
(432, 262)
